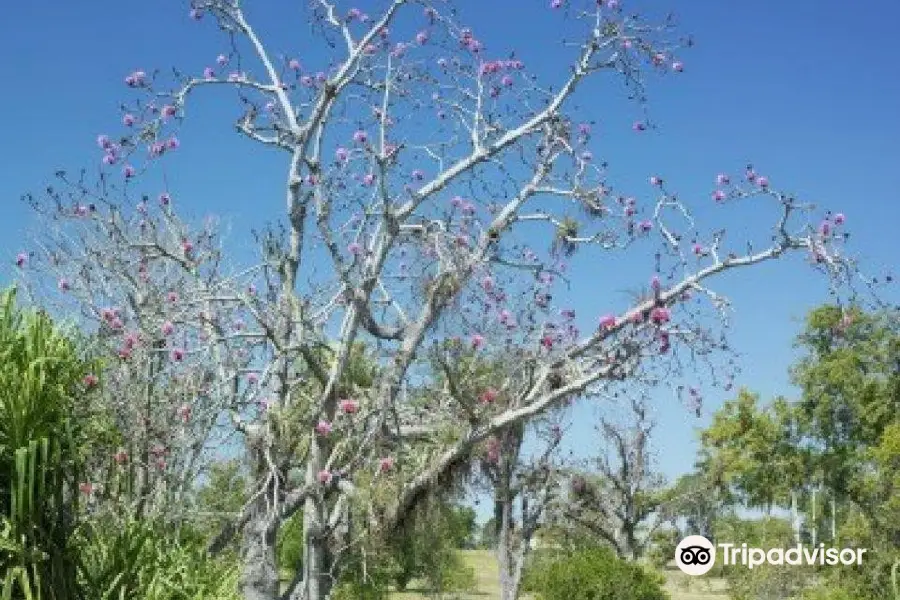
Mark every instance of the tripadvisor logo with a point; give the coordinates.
(696, 555)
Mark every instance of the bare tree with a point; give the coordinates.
(619, 501)
(397, 237)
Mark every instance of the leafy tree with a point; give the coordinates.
(774, 582)
(838, 442)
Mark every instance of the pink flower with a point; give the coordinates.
(556, 3)
(418, 175)
(654, 180)
(341, 154)
(161, 464)
(477, 341)
(128, 171)
(722, 179)
(120, 457)
(607, 321)
(368, 179)
(323, 428)
(385, 464)
(422, 37)
(109, 158)
(90, 381)
(763, 182)
(718, 195)
(172, 143)
(136, 79)
(86, 488)
(493, 450)
(187, 247)
(324, 477)
(839, 219)
(128, 120)
(167, 328)
(488, 396)
(306, 81)
(547, 342)
(660, 315)
(294, 64)
(487, 283)
(360, 137)
(698, 249)
(348, 406)
(677, 66)
(584, 129)
(825, 228)
(177, 354)
(208, 73)
(253, 378)
(125, 353)
(654, 283)
(645, 226)
(21, 259)
(222, 60)
(354, 248)
(64, 285)
(184, 411)
(639, 126)
(172, 297)
(165, 199)
(168, 111)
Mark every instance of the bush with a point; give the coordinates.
(592, 574)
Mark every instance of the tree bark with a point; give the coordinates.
(259, 576)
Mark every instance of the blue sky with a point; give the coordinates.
(806, 90)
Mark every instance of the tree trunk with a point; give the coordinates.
(259, 574)
(833, 521)
(814, 532)
(795, 517)
(316, 582)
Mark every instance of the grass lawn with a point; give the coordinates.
(679, 585)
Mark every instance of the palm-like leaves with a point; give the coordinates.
(40, 372)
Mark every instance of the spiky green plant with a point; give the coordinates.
(41, 373)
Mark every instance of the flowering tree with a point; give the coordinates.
(398, 239)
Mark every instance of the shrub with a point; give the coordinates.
(592, 574)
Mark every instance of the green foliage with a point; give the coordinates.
(427, 548)
(41, 446)
(752, 452)
(289, 546)
(770, 582)
(662, 546)
(591, 574)
(134, 558)
(220, 499)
